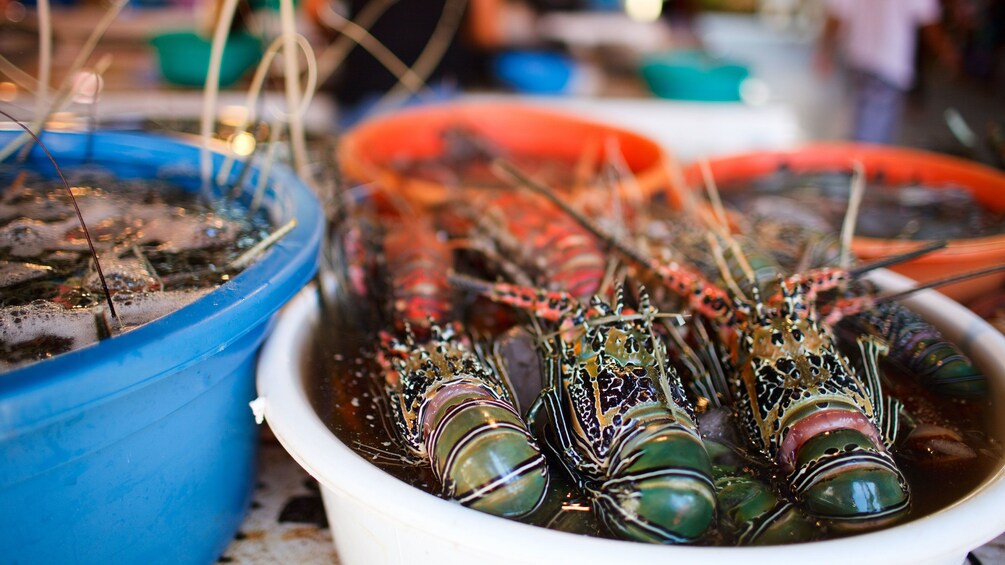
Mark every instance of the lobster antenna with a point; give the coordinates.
(713, 194)
(722, 227)
(676, 175)
(333, 55)
(80, 217)
(720, 261)
(518, 177)
(857, 191)
(609, 177)
(616, 159)
(897, 259)
(362, 37)
(436, 47)
(940, 282)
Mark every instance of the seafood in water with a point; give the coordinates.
(813, 423)
(159, 249)
(614, 416)
(800, 402)
(446, 407)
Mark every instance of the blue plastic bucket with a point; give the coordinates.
(534, 72)
(142, 448)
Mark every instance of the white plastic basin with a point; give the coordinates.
(377, 519)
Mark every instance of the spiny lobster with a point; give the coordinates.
(447, 409)
(613, 414)
(801, 403)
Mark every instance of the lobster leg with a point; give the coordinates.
(547, 305)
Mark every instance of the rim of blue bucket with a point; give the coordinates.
(36, 393)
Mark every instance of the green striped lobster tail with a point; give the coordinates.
(615, 417)
(846, 475)
(449, 409)
(920, 349)
(659, 487)
(484, 456)
(842, 476)
(750, 511)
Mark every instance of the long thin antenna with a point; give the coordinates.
(939, 282)
(431, 55)
(80, 217)
(510, 172)
(712, 189)
(44, 58)
(855, 195)
(66, 86)
(331, 58)
(897, 259)
(721, 227)
(211, 91)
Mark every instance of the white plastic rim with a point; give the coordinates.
(460, 535)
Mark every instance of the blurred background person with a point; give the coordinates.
(446, 44)
(878, 39)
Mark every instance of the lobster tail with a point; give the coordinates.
(920, 349)
(659, 487)
(750, 512)
(485, 457)
(843, 476)
(452, 411)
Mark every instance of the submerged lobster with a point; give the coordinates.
(447, 409)
(799, 400)
(614, 416)
(916, 346)
(612, 412)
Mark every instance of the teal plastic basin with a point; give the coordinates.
(184, 57)
(693, 75)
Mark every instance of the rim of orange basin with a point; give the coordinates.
(898, 164)
(367, 151)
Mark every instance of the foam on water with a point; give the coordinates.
(40, 320)
(30, 238)
(189, 231)
(140, 308)
(23, 324)
(160, 249)
(12, 273)
(126, 274)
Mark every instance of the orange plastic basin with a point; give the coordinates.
(369, 152)
(898, 165)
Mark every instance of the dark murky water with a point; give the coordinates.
(160, 246)
(341, 385)
(904, 211)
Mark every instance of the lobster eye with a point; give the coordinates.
(777, 339)
(797, 334)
